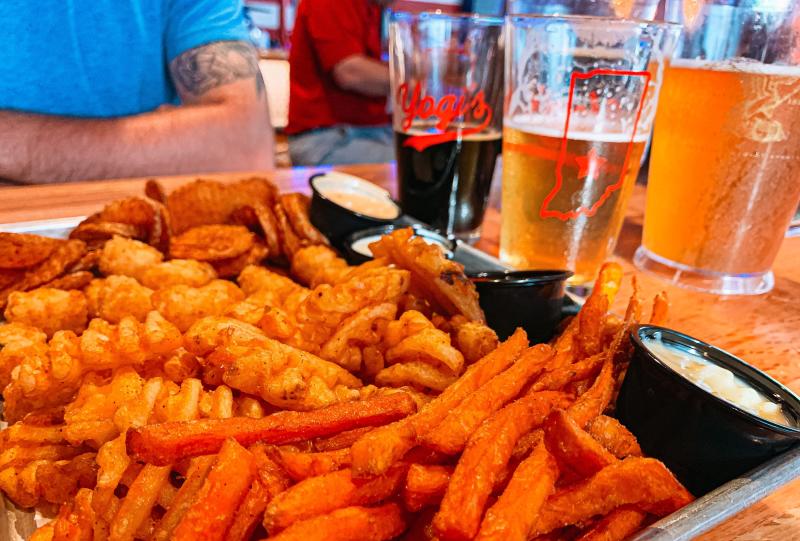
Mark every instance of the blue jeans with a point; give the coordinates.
(342, 145)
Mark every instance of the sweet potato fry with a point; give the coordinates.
(615, 526)
(526, 444)
(165, 443)
(341, 440)
(592, 316)
(325, 493)
(617, 439)
(517, 509)
(594, 401)
(425, 485)
(559, 377)
(375, 452)
(270, 481)
(451, 435)
(299, 465)
(348, 524)
(224, 489)
(660, 308)
(249, 512)
(574, 449)
(137, 504)
(643, 482)
(195, 477)
(485, 461)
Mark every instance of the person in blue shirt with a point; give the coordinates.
(122, 88)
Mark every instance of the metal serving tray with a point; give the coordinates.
(683, 525)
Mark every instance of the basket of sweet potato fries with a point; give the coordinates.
(202, 365)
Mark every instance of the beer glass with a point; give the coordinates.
(725, 166)
(581, 97)
(636, 9)
(446, 81)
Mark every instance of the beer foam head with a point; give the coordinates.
(581, 128)
(490, 134)
(738, 65)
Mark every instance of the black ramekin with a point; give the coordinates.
(532, 300)
(705, 440)
(336, 221)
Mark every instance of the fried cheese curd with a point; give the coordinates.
(48, 309)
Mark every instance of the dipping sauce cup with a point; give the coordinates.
(706, 426)
(342, 204)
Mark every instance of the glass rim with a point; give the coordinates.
(628, 21)
(442, 15)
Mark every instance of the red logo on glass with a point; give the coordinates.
(447, 109)
(592, 161)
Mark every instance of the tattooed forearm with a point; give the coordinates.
(203, 68)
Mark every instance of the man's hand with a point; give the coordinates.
(359, 73)
(223, 124)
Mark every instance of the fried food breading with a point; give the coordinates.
(127, 257)
(285, 376)
(205, 202)
(296, 206)
(211, 243)
(474, 340)
(359, 331)
(210, 333)
(318, 264)
(437, 278)
(182, 305)
(61, 259)
(231, 267)
(308, 320)
(413, 338)
(73, 280)
(188, 272)
(48, 309)
(115, 297)
(255, 279)
(416, 374)
(22, 251)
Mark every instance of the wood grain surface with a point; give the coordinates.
(764, 330)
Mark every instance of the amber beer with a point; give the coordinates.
(573, 225)
(725, 168)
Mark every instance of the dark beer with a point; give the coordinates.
(446, 185)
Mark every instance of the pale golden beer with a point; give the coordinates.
(563, 208)
(725, 166)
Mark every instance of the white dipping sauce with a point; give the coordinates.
(718, 381)
(361, 246)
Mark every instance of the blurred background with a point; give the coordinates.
(271, 24)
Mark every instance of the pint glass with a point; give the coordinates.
(447, 83)
(725, 166)
(581, 97)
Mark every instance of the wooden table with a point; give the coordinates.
(765, 330)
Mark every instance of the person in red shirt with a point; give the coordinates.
(338, 84)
